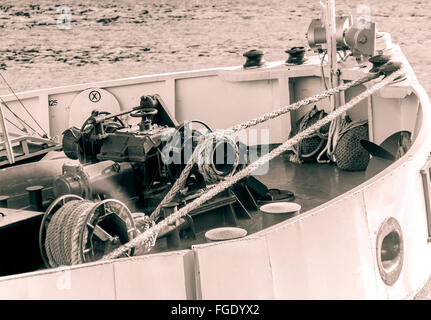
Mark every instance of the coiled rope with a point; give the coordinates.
(62, 235)
(223, 185)
(205, 152)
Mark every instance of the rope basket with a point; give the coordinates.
(309, 148)
(349, 153)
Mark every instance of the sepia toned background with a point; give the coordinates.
(114, 39)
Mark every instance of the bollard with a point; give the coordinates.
(273, 213)
(3, 201)
(225, 233)
(254, 59)
(173, 238)
(35, 197)
(296, 55)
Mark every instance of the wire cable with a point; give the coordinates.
(22, 104)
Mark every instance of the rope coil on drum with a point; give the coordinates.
(61, 236)
(182, 179)
(80, 231)
(229, 181)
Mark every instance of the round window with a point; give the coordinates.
(390, 251)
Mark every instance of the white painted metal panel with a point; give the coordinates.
(224, 104)
(36, 113)
(400, 195)
(130, 96)
(306, 87)
(326, 255)
(393, 115)
(234, 270)
(360, 111)
(160, 276)
(59, 111)
(91, 282)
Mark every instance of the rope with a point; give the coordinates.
(223, 185)
(62, 235)
(182, 179)
(22, 104)
(24, 130)
(304, 102)
(205, 152)
(23, 123)
(81, 218)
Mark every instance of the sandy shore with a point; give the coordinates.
(112, 39)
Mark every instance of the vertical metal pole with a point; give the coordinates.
(173, 238)
(7, 144)
(331, 34)
(331, 39)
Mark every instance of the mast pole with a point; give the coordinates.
(334, 80)
(331, 40)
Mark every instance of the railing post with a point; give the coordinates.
(7, 144)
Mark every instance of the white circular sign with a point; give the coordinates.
(89, 100)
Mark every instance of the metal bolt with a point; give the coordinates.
(363, 39)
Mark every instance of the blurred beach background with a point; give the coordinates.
(113, 39)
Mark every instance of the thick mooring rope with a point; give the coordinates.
(223, 185)
(182, 179)
(317, 97)
(205, 151)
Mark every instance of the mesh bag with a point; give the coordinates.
(309, 148)
(349, 153)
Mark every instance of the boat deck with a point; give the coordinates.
(312, 184)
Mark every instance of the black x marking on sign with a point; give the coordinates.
(94, 96)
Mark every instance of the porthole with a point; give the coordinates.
(390, 251)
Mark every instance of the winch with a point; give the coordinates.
(129, 168)
(360, 38)
(118, 159)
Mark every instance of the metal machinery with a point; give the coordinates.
(361, 40)
(128, 163)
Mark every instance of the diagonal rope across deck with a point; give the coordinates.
(181, 181)
(145, 237)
